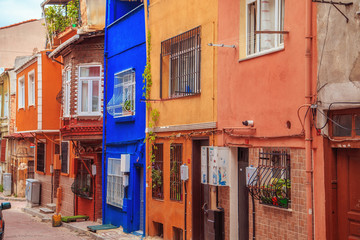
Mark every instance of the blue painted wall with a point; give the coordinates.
(125, 48)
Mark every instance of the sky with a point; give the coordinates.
(14, 11)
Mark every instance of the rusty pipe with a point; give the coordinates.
(308, 135)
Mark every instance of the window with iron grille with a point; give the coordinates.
(175, 163)
(183, 54)
(122, 102)
(271, 183)
(83, 185)
(65, 157)
(115, 188)
(157, 172)
(40, 157)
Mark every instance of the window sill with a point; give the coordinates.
(276, 208)
(41, 173)
(89, 116)
(130, 118)
(263, 53)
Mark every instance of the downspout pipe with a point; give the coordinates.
(308, 134)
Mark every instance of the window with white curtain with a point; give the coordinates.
(89, 90)
(264, 16)
(31, 88)
(67, 90)
(122, 102)
(21, 92)
(115, 188)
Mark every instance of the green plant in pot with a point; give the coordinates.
(156, 178)
(128, 106)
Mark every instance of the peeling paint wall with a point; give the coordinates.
(338, 44)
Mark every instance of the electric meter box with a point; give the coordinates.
(125, 162)
(184, 172)
(250, 171)
(126, 180)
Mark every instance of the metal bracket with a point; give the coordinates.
(334, 4)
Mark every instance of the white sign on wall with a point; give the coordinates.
(215, 166)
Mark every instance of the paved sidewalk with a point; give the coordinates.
(81, 227)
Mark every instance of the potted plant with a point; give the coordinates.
(128, 106)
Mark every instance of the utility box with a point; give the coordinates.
(250, 174)
(184, 172)
(32, 192)
(7, 184)
(215, 166)
(125, 162)
(126, 180)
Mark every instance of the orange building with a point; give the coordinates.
(182, 114)
(38, 85)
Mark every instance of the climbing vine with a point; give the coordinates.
(152, 119)
(59, 17)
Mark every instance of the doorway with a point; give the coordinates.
(243, 194)
(200, 196)
(348, 193)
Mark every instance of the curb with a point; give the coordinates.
(80, 230)
(34, 213)
(13, 199)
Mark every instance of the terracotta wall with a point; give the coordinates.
(275, 223)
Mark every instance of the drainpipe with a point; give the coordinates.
(308, 135)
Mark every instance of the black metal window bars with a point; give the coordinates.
(175, 163)
(270, 183)
(184, 63)
(157, 172)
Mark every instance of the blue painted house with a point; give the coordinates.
(124, 118)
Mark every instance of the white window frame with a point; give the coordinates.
(115, 192)
(31, 88)
(67, 90)
(6, 105)
(278, 22)
(21, 92)
(90, 87)
(112, 107)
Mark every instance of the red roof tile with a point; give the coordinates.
(15, 24)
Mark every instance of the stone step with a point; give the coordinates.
(51, 206)
(46, 210)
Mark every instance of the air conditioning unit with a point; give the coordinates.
(32, 191)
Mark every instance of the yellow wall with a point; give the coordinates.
(182, 16)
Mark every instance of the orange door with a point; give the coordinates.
(348, 196)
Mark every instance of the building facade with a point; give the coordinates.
(37, 124)
(337, 109)
(124, 119)
(181, 114)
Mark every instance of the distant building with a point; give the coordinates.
(20, 39)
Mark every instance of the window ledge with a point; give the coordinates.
(88, 116)
(130, 118)
(255, 55)
(277, 208)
